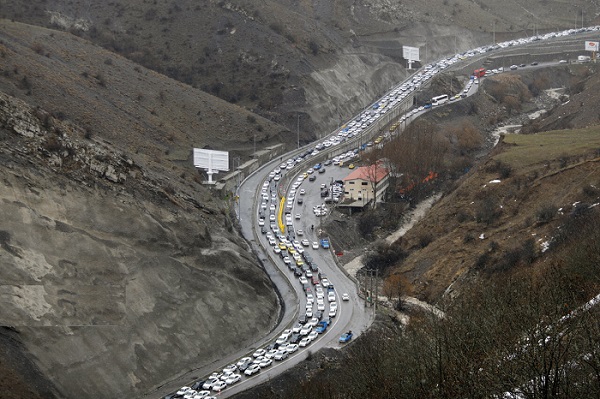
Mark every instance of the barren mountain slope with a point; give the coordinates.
(136, 109)
(119, 269)
(268, 55)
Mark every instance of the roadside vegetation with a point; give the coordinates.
(523, 334)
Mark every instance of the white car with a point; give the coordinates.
(233, 378)
(252, 369)
(265, 363)
(331, 296)
(215, 376)
(306, 330)
(304, 342)
(345, 297)
(291, 348)
(259, 352)
(219, 386)
(243, 361)
(226, 375)
(315, 245)
(298, 216)
(313, 335)
(259, 360)
(312, 322)
(281, 355)
(281, 340)
(300, 232)
(261, 222)
(190, 394)
(209, 383)
(305, 242)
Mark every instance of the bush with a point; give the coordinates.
(462, 216)
(53, 144)
(504, 170)
(488, 211)
(590, 191)
(469, 237)
(367, 222)
(425, 240)
(545, 213)
(276, 27)
(384, 255)
(313, 47)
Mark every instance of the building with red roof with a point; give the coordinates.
(366, 184)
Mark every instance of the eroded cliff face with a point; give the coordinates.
(113, 282)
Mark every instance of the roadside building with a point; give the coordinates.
(366, 184)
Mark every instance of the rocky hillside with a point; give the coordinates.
(321, 60)
(119, 269)
(510, 211)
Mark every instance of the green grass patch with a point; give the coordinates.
(532, 149)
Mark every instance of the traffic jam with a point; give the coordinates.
(279, 225)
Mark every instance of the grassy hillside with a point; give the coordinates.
(507, 213)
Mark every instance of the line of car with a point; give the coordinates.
(262, 358)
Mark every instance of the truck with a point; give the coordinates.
(325, 243)
(346, 337)
(479, 73)
(583, 58)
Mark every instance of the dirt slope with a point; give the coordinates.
(265, 55)
(119, 269)
(506, 213)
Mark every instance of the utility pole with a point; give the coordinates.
(254, 153)
(371, 277)
(376, 281)
(494, 31)
(298, 129)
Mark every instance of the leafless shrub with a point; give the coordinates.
(545, 213)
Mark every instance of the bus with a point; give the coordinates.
(439, 100)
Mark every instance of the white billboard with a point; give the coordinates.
(212, 161)
(410, 53)
(591, 46)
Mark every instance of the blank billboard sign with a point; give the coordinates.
(211, 160)
(410, 53)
